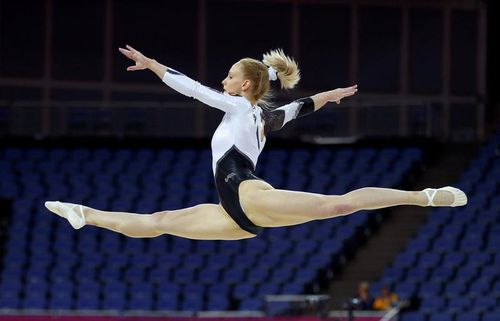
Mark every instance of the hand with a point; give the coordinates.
(337, 94)
(141, 61)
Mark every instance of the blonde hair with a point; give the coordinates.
(257, 72)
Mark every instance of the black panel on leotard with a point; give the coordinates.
(275, 118)
(232, 169)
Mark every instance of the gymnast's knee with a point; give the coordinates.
(156, 222)
(340, 206)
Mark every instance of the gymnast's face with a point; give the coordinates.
(235, 84)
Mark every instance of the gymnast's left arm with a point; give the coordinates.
(334, 95)
(278, 117)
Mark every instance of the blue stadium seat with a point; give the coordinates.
(134, 274)
(321, 261)
(468, 271)
(166, 303)
(432, 304)
(193, 290)
(110, 274)
(34, 300)
(140, 301)
(268, 289)
(453, 259)
(87, 300)
(491, 316)
(193, 261)
(168, 260)
(479, 259)
(406, 289)
(295, 287)
(305, 276)
(243, 290)
(181, 245)
(294, 260)
(406, 259)
(218, 289)
(412, 316)
(480, 287)
(417, 274)
(115, 303)
(468, 316)
(472, 243)
(490, 272)
(251, 304)
(430, 289)
(257, 275)
(9, 300)
(207, 247)
(233, 275)
(441, 317)
(269, 261)
(393, 274)
(429, 260)
(167, 296)
(455, 289)
(193, 303)
(61, 302)
(459, 304)
(218, 260)
(218, 303)
(418, 245)
(485, 303)
(281, 275)
(209, 275)
(159, 274)
(85, 274)
(442, 274)
(184, 276)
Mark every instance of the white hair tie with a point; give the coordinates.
(273, 74)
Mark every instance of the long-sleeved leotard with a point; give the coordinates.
(239, 138)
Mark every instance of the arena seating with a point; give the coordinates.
(453, 263)
(48, 265)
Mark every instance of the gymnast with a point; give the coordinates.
(247, 203)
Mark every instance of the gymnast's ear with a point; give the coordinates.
(246, 84)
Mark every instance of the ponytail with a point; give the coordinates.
(286, 68)
(274, 65)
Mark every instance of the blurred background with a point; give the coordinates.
(422, 67)
(76, 126)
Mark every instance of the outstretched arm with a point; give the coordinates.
(277, 118)
(142, 62)
(335, 95)
(181, 83)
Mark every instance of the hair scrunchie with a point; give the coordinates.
(273, 74)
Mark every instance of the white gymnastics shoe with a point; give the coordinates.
(460, 199)
(72, 212)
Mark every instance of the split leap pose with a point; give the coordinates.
(247, 204)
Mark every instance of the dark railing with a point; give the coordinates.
(462, 120)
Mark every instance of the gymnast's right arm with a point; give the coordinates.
(180, 82)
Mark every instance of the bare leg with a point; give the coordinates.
(204, 222)
(271, 207)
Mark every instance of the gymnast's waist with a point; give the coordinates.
(235, 164)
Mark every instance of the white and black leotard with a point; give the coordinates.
(239, 139)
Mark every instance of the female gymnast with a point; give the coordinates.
(247, 204)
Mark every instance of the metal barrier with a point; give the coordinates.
(460, 121)
(297, 305)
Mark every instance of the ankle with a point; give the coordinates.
(89, 215)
